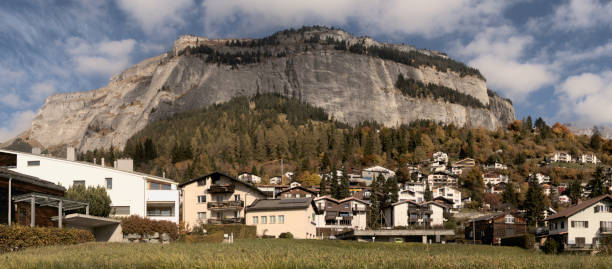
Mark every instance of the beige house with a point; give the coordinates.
(217, 199)
(276, 216)
(408, 213)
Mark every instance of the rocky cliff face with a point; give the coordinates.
(350, 87)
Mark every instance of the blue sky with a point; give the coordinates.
(552, 58)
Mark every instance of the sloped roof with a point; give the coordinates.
(282, 204)
(311, 191)
(5, 173)
(218, 175)
(579, 207)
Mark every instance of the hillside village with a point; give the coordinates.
(435, 204)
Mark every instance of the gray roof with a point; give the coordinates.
(5, 173)
(281, 204)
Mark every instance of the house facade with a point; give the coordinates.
(373, 172)
(491, 228)
(131, 193)
(442, 179)
(297, 192)
(272, 217)
(494, 178)
(409, 213)
(449, 193)
(348, 213)
(588, 158)
(561, 157)
(584, 224)
(217, 199)
(249, 178)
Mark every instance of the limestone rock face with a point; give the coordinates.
(350, 87)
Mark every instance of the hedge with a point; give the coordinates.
(240, 231)
(216, 237)
(526, 241)
(145, 227)
(18, 237)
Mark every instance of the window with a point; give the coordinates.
(201, 215)
(201, 199)
(313, 216)
(236, 197)
(580, 224)
(509, 219)
(160, 211)
(308, 195)
(255, 219)
(78, 182)
(201, 182)
(297, 195)
(219, 198)
(272, 219)
(120, 210)
(264, 220)
(563, 225)
(159, 186)
(109, 183)
(281, 219)
(346, 206)
(33, 163)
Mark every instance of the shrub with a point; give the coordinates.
(146, 227)
(287, 235)
(19, 237)
(526, 241)
(552, 247)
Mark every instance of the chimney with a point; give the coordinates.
(102, 162)
(163, 174)
(36, 150)
(125, 165)
(71, 154)
(94, 160)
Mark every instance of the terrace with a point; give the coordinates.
(221, 188)
(225, 205)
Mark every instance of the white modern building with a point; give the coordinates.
(584, 224)
(373, 172)
(409, 213)
(131, 193)
(540, 178)
(440, 157)
(561, 157)
(249, 178)
(449, 193)
(348, 213)
(494, 178)
(588, 158)
(496, 166)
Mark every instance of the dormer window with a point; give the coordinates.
(509, 219)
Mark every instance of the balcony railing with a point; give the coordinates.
(225, 205)
(607, 230)
(225, 221)
(221, 189)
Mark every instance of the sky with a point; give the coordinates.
(551, 58)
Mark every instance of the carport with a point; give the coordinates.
(46, 200)
(103, 229)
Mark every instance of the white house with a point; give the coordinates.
(409, 213)
(588, 158)
(339, 214)
(410, 195)
(449, 193)
(564, 199)
(540, 178)
(561, 157)
(250, 178)
(496, 166)
(131, 193)
(494, 178)
(440, 157)
(276, 180)
(584, 224)
(440, 179)
(373, 172)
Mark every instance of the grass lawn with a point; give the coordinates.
(281, 253)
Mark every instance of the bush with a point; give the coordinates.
(526, 241)
(19, 237)
(287, 235)
(146, 227)
(552, 247)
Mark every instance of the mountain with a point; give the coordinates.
(353, 79)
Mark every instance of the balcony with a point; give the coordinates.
(226, 221)
(221, 189)
(605, 230)
(162, 195)
(225, 205)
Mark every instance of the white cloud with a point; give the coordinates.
(12, 100)
(587, 96)
(17, 122)
(8, 76)
(157, 16)
(428, 18)
(498, 53)
(41, 90)
(580, 14)
(104, 58)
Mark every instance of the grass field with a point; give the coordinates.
(281, 253)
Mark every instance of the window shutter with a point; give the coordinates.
(573, 224)
(586, 224)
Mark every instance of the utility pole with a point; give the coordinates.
(9, 201)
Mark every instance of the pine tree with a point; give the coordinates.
(574, 191)
(323, 185)
(343, 191)
(534, 204)
(596, 139)
(510, 196)
(597, 185)
(374, 210)
(393, 189)
(428, 195)
(333, 184)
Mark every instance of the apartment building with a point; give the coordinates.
(408, 213)
(348, 213)
(217, 198)
(449, 193)
(131, 193)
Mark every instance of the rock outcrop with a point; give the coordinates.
(350, 87)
